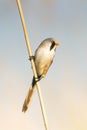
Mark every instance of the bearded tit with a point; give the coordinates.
(43, 59)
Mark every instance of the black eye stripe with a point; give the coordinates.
(52, 45)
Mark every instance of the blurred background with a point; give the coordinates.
(64, 89)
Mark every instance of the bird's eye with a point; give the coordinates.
(52, 45)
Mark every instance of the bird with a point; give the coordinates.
(43, 59)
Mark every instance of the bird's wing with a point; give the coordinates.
(46, 67)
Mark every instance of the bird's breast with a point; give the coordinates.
(43, 57)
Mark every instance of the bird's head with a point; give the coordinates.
(54, 43)
(49, 43)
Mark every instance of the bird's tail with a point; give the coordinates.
(29, 96)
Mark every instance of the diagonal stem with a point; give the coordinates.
(32, 63)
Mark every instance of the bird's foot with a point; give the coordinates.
(31, 57)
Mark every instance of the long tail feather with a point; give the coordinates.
(28, 96)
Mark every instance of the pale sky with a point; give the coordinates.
(64, 89)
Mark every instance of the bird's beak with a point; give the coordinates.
(57, 43)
